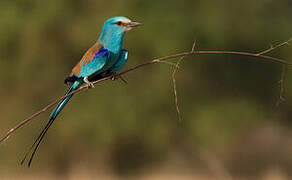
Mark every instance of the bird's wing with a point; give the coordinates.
(92, 61)
(116, 68)
(121, 62)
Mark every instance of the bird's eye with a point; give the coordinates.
(118, 23)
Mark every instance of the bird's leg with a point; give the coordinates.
(114, 77)
(90, 84)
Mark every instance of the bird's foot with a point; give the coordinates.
(114, 77)
(89, 84)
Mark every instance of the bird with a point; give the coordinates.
(106, 57)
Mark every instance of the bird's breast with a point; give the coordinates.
(113, 58)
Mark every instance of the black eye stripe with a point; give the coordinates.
(119, 23)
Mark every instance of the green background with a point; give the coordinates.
(231, 126)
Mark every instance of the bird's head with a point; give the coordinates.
(113, 32)
(120, 24)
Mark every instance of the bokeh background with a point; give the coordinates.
(231, 127)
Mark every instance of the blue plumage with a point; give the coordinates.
(62, 103)
(120, 63)
(105, 57)
(101, 53)
(96, 64)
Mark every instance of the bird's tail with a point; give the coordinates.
(62, 103)
(53, 116)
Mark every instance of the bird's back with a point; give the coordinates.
(87, 58)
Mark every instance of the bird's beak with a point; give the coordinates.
(133, 24)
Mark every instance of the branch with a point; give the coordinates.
(175, 69)
(275, 47)
(174, 88)
(281, 97)
(154, 61)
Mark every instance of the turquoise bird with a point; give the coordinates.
(106, 57)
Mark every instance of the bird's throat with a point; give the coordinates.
(112, 41)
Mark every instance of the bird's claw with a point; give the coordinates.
(89, 84)
(114, 77)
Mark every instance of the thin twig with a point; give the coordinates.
(167, 62)
(281, 82)
(174, 88)
(281, 97)
(275, 47)
(154, 61)
(174, 82)
(194, 46)
(123, 79)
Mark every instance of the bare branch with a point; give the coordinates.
(154, 61)
(275, 47)
(194, 46)
(174, 82)
(281, 84)
(174, 88)
(167, 62)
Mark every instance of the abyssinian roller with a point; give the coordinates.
(105, 57)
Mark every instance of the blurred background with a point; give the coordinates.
(231, 127)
